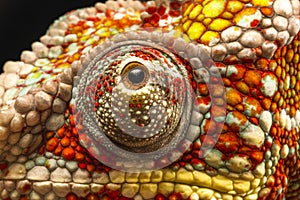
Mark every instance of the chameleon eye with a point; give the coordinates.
(134, 102)
(135, 75)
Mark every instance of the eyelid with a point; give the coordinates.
(130, 66)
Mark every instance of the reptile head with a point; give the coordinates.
(156, 100)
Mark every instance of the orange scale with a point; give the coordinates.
(283, 51)
(71, 196)
(280, 132)
(90, 167)
(68, 153)
(289, 56)
(262, 64)
(196, 145)
(160, 197)
(257, 157)
(50, 134)
(92, 197)
(58, 150)
(266, 104)
(175, 196)
(68, 134)
(52, 144)
(233, 97)
(242, 87)
(226, 82)
(278, 71)
(254, 120)
(74, 144)
(252, 78)
(202, 89)
(72, 120)
(61, 132)
(65, 142)
(228, 142)
(79, 148)
(240, 107)
(82, 165)
(273, 107)
(74, 132)
(79, 157)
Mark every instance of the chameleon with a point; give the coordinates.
(156, 100)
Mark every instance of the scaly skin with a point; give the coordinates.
(248, 122)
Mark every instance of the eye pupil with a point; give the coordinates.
(136, 75)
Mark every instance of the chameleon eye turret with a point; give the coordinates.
(138, 102)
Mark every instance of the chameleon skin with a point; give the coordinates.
(255, 46)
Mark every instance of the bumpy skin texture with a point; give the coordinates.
(47, 151)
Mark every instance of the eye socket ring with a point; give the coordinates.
(95, 136)
(114, 56)
(135, 75)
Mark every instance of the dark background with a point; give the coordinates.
(25, 21)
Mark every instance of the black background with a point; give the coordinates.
(24, 21)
